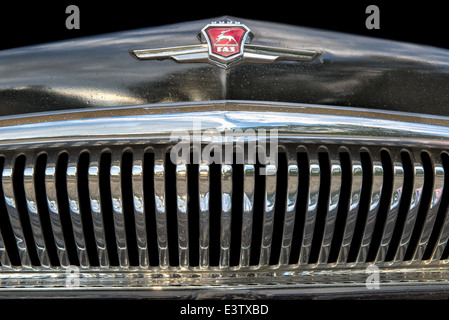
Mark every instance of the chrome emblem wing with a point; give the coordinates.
(225, 44)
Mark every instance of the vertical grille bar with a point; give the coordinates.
(182, 214)
(74, 208)
(331, 218)
(249, 174)
(7, 180)
(117, 208)
(290, 209)
(268, 214)
(409, 224)
(376, 191)
(95, 205)
(4, 258)
(312, 206)
(398, 184)
(354, 205)
(444, 233)
(226, 213)
(204, 196)
(437, 192)
(53, 209)
(160, 205)
(138, 204)
(30, 195)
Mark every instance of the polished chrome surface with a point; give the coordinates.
(226, 214)
(204, 213)
(182, 214)
(320, 236)
(95, 205)
(11, 206)
(199, 54)
(418, 184)
(312, 207)
(290, 210)
(98, 71)
(331, 216)
(354, 207)
(160, 207)
(139, 207)
(248, 211)
(35, 221)
(203, 53)
(75, 211)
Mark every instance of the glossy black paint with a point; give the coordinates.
(99, 72)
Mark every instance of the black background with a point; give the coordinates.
(24, 24)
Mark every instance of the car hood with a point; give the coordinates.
(99, 72)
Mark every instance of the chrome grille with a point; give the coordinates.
(96, 191)
(124, 207)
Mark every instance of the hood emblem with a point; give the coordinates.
(225, 44)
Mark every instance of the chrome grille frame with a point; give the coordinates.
(302, 128)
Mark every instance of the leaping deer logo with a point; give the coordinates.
(223, 36)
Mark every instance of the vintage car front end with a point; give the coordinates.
(224, 158)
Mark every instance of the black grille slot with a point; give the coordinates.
(125, 207)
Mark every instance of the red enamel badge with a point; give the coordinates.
(226, 41)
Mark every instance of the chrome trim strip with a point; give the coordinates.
(200, 53)
(169, 53)
(156, 123)
(275, 53)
